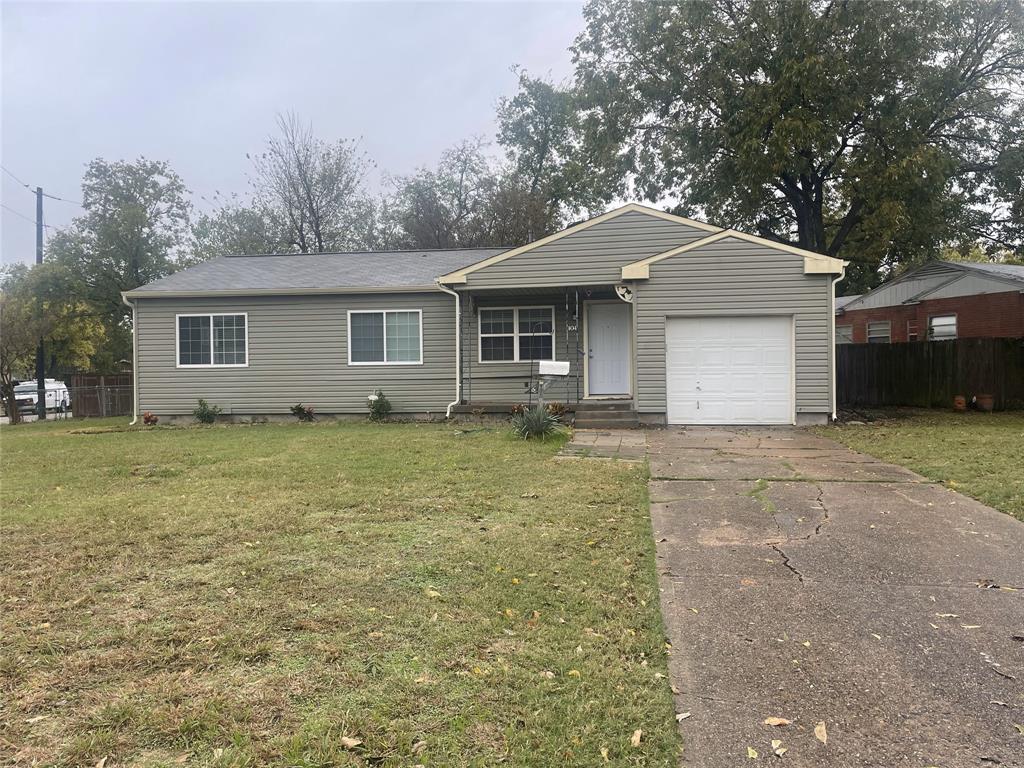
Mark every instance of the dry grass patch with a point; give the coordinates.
(243, 596)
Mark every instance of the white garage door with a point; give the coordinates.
(729, 370)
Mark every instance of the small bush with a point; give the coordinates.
(149, 419)
(206, 413)
(303, 412)
(536, 422)
(517, 409)
(380, 406)
(558, 410)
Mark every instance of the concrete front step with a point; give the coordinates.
(604, 406)
(607, 424)
(606, 419)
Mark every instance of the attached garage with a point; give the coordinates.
(729, 370)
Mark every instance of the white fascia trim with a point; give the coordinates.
(459, 276)
(814, 263)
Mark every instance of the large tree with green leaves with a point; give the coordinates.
(875, 130)
(132, 232)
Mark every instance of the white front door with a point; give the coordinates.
(729, 370)
(608, 346)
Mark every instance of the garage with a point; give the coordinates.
(729, 370)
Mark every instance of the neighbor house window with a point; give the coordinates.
(912, 333)
(880, 332)
(844, 334)
(519, 333)
(942, 327)
(385, 337)
(213, 340)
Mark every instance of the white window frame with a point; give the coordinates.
(515, 334)
(956, 326)
(211, 364)
(384, 319)
(849, 339)
(867, 331)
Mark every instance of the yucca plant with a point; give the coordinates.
(535, 422)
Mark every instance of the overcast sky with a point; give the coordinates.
(199, 85)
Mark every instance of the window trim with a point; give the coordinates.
(211, 364)
(956, 326)
(384, 313)
(515, 333)
(849, 340)
(867, 331)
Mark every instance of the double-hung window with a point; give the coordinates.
(213, 341)
(385, 337)
(513, 334)
(942, 327)
(844, 334)
(880, 332)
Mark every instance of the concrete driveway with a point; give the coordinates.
(803, 581)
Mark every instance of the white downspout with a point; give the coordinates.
(835, 409)
(135, 362)
(458, 349)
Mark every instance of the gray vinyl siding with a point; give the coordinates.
(506, 382)
(593, 256)
(732, 276)
(298, 352)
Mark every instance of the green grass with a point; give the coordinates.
(248, 596)
(979, 454)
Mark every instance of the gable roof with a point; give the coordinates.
(1011, 274)
(358, 271)
(814, 263)
(459, 276)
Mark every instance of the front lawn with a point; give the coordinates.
(980, 454)
(320, 595)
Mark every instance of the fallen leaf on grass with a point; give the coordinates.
(349, 743)
(778, 749)
(604, 753)
(433, 593)
(635, 738)
(682, 716)
(752, 753)
(36, 719)
(101, 762)
(776, 721)
(820, 733)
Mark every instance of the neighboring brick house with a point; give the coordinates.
(938, 300)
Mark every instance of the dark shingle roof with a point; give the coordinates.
(317, 271)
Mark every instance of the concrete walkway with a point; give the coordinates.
(623, 444)
(803, 581)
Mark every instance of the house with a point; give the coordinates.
(666, 319)
(936, 301)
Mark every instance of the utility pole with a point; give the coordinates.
(40, 360)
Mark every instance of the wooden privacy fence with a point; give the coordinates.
(929, 374)
(96, 395)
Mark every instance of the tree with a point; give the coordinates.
(132, 232)
(236, 228)
(315, 187)
(539, 129)
(872, 130)
(466, 202)
(32, 307)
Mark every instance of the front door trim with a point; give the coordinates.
(586, 351)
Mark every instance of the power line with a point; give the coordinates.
(28, 186)
(26, 218)
(24, 184)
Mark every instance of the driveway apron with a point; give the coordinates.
(803, 581)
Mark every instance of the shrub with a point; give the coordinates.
(558, 410)
(206, 413)
(149, 418)
(536, 422)
(517, 409)
(380, 406)
(303, 412)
